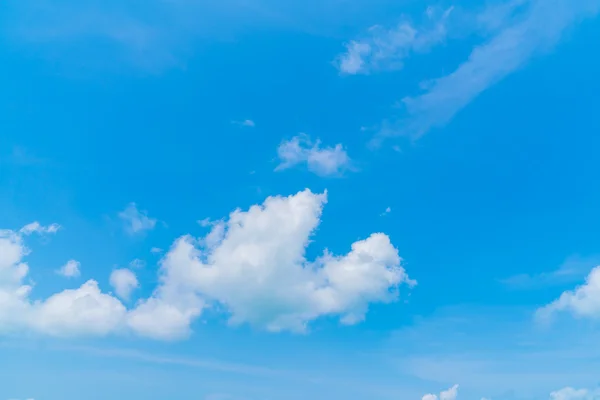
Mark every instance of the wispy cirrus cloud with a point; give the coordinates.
(572, 270)
(529, 33)
(248, 123)
(93, 30)
(155, 36)
(36, 227)
(151, 358)
(491, 351)
(386, 49)
(512, 33)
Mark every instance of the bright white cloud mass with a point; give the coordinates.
(450, 394)
(181, 105)
(253, 265)
(583, 301)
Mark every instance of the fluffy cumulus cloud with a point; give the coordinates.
(583, 301)
(81, 311)
(324, 161)
(450, 394)
(123, 282)
(570, 393)
(386, 49)
(252, 264)
(70, 269)
(136, 221)
(257, 269)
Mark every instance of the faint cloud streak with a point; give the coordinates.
(572, 270)
(534, 30)
(386, 49)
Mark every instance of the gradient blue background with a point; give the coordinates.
(510, 186)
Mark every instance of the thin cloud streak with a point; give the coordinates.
(212, 365)
(572, 270)
(532, 30)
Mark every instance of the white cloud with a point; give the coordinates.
(386, 212)
(36, 227)
(136, 221)
(165, 317)
(328, 161)
(583, 301)
(207, 222)
(74, 312)
(254, 266)
(258, 271)
(82, 311)
(247, 123)
(450, 394)
(353, 61)
(137, 263)
(123, 282)
(520, 34)
(12, 250)
(71, 312)
(569, 393)
(386, 49)
(70, 269)
(156, 250)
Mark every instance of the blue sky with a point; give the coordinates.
(267, 200)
